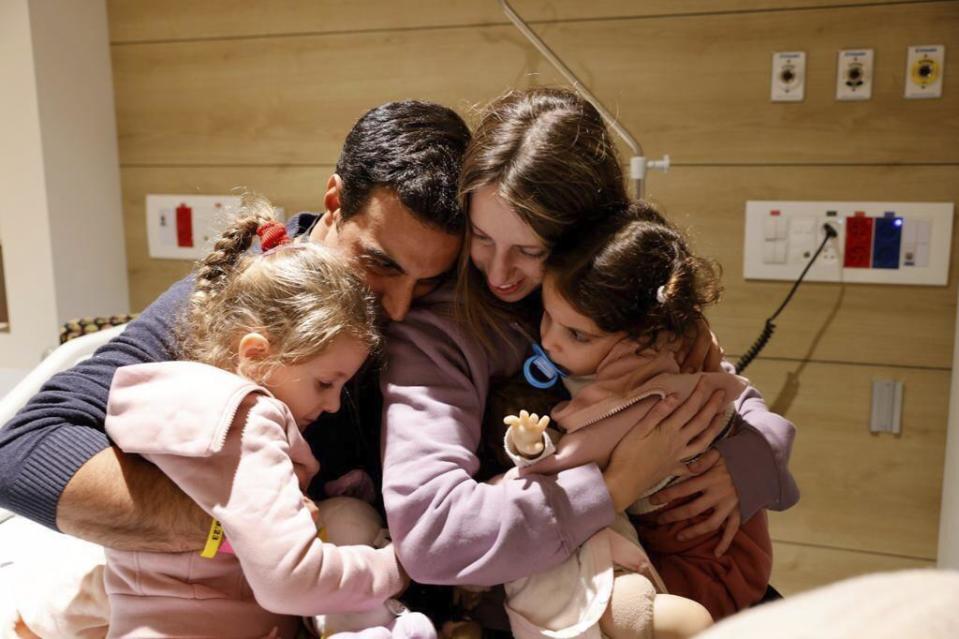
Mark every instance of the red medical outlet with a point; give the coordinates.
(184, 226)
(858, 242)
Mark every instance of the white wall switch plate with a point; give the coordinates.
(854, 75)
(788, 76)
(184, 227)
(925, 66)
(877, 242)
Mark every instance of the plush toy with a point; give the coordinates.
(622, 601)
(346, 521)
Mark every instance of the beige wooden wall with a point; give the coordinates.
(260, 93)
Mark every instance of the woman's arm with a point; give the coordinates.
(757, 457)
(447, 527)
(749, 471)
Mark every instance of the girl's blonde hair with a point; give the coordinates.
(300, 297)
(551, 158)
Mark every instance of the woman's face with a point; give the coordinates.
(503, 247)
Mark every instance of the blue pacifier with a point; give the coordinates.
(549, 372)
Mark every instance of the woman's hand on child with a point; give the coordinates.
(656, 447)
(526, 432)
(702, 351)
(717, 493)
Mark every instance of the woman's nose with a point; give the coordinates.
(499, 268)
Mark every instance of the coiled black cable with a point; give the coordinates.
(769, 327)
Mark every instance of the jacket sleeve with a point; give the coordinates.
(272, 533)
(757, 457)
(447, 527)
(61, 427)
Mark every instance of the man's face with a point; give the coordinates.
(401, 258)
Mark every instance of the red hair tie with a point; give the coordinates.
(272, 234)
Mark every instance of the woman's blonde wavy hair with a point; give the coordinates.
(300, 297)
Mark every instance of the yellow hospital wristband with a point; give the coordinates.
(213, 540)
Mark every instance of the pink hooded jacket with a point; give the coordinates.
(604, 410)
(236, 451)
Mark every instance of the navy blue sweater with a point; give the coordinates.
(61, 428)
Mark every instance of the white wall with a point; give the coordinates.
(60, 212)
(24, 219)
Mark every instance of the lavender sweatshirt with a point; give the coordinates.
(448, 528)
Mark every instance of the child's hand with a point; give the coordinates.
(526, 432)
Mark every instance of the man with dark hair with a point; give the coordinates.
(413, 148)
(391, 206)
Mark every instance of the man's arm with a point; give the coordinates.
(58, 469)
(124, 502)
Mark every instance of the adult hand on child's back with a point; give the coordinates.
(658, 445)
(717, 493)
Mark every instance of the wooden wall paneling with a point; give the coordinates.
(797, 567)
(859, 491)
(292, 100)
(142, 20)
(294, 188)
(696, 87)
(903, 325)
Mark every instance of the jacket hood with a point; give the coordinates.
(182, 408)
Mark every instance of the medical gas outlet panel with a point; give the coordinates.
(876, 242)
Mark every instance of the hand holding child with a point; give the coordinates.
(656, 447)
(526, 432)
(717, 493)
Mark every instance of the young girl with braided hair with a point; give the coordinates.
(266, 343)
(615, 309)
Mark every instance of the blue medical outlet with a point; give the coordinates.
(887, 241)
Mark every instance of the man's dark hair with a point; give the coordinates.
(413, 148)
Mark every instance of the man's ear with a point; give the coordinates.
(253, 348)
(331, 201)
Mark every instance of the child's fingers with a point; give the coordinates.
(543, 423)
(511, 420)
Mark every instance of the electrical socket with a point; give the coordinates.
(925, 66)
(788, 76)
(854, 76)
(830, 252)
